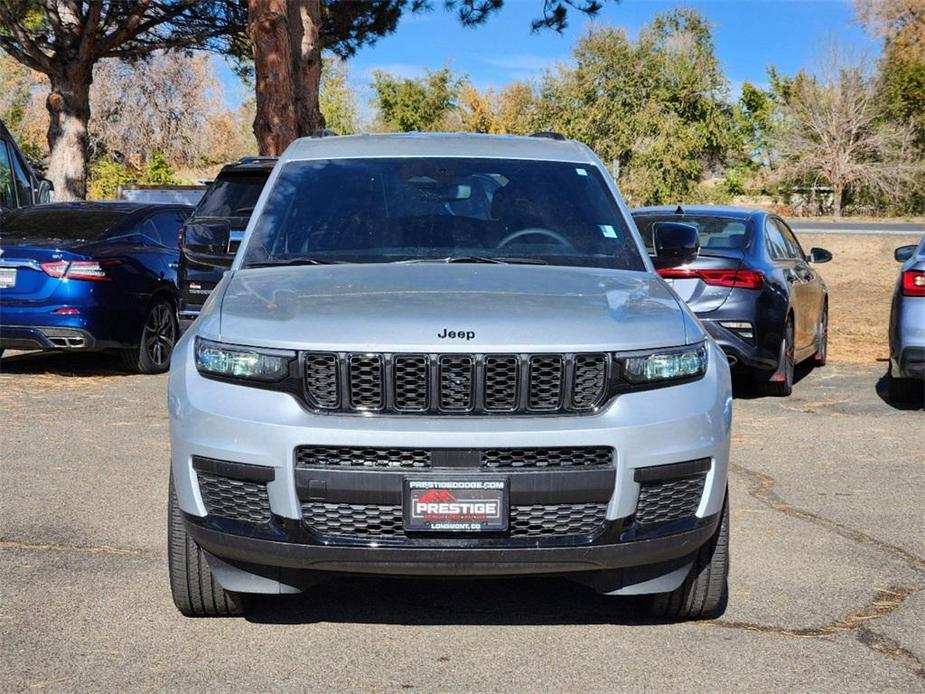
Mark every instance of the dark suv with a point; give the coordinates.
(19, 186)
(229, 200)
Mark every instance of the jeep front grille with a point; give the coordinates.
(460, 384)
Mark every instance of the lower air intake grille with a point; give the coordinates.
(316, 456)
(235, 499)
(669, 500)
(546, 457)
(370, 521)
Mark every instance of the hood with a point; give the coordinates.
(450, 308)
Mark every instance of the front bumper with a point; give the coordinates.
(263, 429)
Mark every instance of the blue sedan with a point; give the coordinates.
(92, 276)
(754, 288)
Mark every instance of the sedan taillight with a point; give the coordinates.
(743, 279)
(913, 283)
(94, 270)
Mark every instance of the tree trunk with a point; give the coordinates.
(68, 106)
(305, 47)
(275, 121)
(838, 191)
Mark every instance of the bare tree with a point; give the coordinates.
(834, 133)
(160, 105)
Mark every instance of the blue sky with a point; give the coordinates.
(749, 35)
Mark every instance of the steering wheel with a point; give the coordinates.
(535, 231)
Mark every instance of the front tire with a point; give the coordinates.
(195, 591)
(158, 337)
(704, 593)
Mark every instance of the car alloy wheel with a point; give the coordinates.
(160, 334)
(822, 350)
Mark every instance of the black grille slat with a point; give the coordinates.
(321, 380)
(338, 456)
(366, 381)
(545, 383)
(501, 383)
(363, 521)
(235, 499)
(660, 502)
(457, 383)
(589, 380)
(546, 457)
(411, 382)
(480, 384)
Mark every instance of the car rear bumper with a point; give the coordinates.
(740, 352)
(912, 363)
(29, 337)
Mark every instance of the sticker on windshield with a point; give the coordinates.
(581, 172)
(608, 231)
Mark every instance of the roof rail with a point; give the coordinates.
(255, 160)
(324, 132)
(548, 134)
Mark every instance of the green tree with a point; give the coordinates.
(657, 105)
(421, 104)
(338, 100)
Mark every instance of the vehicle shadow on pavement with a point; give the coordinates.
(744, 387)
(883, 391)
(460, 602)
(73, 364)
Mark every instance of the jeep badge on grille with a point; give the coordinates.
(457, 335)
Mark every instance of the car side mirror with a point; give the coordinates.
(903, 253)
(206, 243)
(45, 189)
(819, 255)
(675, 241)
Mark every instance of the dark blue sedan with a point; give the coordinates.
(92, 276)
(752, 285)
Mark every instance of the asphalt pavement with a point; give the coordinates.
(826, 590)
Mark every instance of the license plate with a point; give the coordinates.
(455, 505)
(7, 277)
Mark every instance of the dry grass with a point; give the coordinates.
(861, 278)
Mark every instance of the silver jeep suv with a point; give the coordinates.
(447, 355)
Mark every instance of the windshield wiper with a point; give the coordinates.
(494, 260)
(293, 261)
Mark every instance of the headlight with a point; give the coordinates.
(248, 363)
(668, 365)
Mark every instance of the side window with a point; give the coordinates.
(166, 225)
(7, 197)
(22, 180)
(793, 246)
(774, 242)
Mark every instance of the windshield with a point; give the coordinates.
(88, 223)
(232, 197)
(716, 233)
(442, 209)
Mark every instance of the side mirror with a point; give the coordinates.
(45, 189)
(206, 243)
(675, 241)
(819, 255)
(903, 253)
